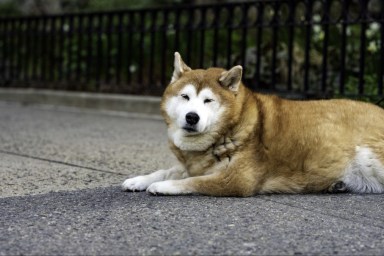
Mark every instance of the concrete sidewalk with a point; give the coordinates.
(60, 172)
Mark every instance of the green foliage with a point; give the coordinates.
(123, 4)
(9, 8)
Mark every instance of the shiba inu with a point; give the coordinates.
(231, 141)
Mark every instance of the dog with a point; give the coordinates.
(231, 141)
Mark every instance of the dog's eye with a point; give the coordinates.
(185, 96)
(208, 100)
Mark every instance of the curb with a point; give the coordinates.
(113, 102)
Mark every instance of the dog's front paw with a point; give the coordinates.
(168, 187)
(139, 183)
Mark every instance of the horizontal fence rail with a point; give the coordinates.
(318, 48)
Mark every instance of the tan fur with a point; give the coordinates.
(275, 145)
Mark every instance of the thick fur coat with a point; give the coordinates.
(231, 141)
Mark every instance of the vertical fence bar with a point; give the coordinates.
(229, 36)
(16, 52)
(11, 49)
(141, 48)
(108, 48)
(274, 23)
(343, 45)
(27, 55)
(7, 45)
(189, 29)
(62, 50)
(41, 54)
(39, 51)
(307, 50)
(18, 57)
(61, 47)
(291, 33)
(52, 63)
(19, 43)
(21, 50)
(244, 24)
(215, 35)
(381, 63)
(44, 51)
(177, 30)
(89, 50)
(120, 50)
(5, 51)
(79, 55)
(259, 41)
(99, 57)
(2, 51)
(69, 48)
(202, 35)
(164, 39)
(4, 57)
(152, 44)
(324, 71)
(35, 48)
(363, 39)
(129, 56)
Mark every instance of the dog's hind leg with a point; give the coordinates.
(338, 187)
(141, 183)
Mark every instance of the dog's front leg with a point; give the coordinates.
(226, 183)
(141, 183)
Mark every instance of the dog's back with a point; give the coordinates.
(314, 143)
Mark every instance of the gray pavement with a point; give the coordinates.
(60, 171)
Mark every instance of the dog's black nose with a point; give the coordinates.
(192, 118)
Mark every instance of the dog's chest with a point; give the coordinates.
(200, 163)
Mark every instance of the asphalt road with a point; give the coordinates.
(60, 171)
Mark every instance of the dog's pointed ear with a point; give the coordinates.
(180, 67)
(232, 78)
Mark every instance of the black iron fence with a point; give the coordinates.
(322, 48)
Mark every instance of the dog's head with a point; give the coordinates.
(200, 105)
